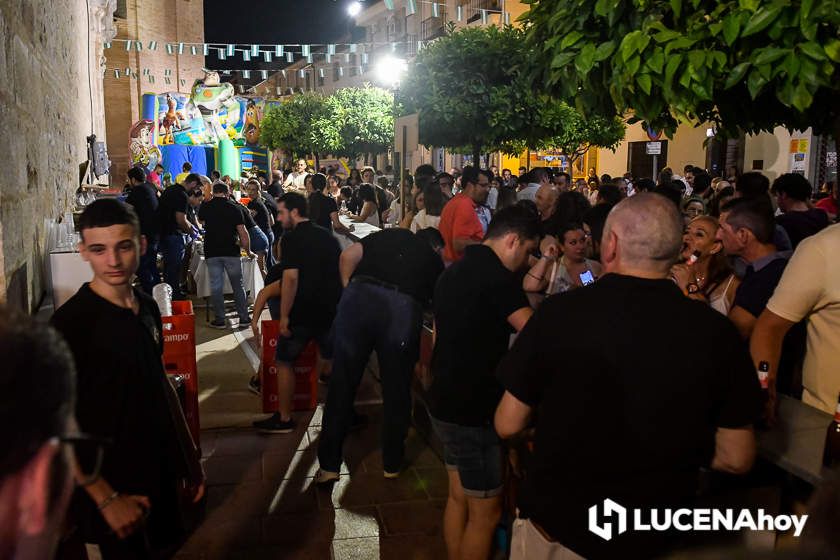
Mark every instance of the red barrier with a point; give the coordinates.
(306, 375)
(179, 358)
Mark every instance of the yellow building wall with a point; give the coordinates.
(686, 147)
(774, 150)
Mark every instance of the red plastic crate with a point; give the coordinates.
(179, 358)
(305, 369)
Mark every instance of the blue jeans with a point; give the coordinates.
(371, 317)
(216, 267)
(269, 254)
(475, 452)
(172, 248)
(147, 272)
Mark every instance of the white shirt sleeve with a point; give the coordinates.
(802, 284)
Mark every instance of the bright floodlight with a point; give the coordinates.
(354, 8)
(389, 70)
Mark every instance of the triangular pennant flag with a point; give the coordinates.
(411, 7)
(290, 57)
(255, 50)
(206, 49)
(230, 50)
(246, 56)
(138, 45)
(267, 56)
(246, 74)
(264, 74)
(128, 45)
(194, 50)
(168, 48)
(305, 50)
(180, 48)
(152, 45)
(222, 55)
(278, 50)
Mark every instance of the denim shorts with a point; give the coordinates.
(476, 453)
(290, 347)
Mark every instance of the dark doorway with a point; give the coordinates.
(642, 165)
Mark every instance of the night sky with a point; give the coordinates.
(271, 22)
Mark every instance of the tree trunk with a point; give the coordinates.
(317, 162)
(476, 156)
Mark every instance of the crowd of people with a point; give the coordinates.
(567, 313)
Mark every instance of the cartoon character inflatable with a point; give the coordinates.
(210, 96)
(252, 123)
(140, 146)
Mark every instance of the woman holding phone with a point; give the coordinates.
(573, 270)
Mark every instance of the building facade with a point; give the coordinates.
(151, 23)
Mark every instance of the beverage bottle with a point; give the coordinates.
(693, 258)
(764, 380)
(831, 452)
(162, 294)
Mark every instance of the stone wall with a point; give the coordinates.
(164, 21)
(51, 99)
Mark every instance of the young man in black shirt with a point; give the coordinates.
(143, 198)
(310, 289)
(172, 214)
(633, 420)
(116, 338)
(224, 223)
(478, 304)
(389, 277)
(323, 208)
(800, 220)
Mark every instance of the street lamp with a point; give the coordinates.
(354, 8)
(389, 72)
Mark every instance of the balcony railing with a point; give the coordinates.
(433, 27)
(472, 8)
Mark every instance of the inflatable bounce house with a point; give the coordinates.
(210, 127)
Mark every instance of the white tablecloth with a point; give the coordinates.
(251, 276)
(360, 231)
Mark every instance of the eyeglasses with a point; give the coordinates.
(87, 445)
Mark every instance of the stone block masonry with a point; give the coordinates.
(50, 100)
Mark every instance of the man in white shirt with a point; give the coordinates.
(809, 288)
(296, 178)
(537, 177)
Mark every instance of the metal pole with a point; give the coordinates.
(655, 166)
(402, 170)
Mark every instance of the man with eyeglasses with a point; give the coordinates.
(115, 335)
(36, 412)
(463, 221)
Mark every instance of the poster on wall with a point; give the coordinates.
(799, 155)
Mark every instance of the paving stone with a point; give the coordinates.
(412, 547)
(356, 549)
(424, 518)
(232, 470)
(435, 481)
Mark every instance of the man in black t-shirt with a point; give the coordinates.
(116, 337)
(310, 289)
(143, 198)
(800, 220)
(172, 216)
(633, 420)
(478, 304)
(389, 277)
(323, 208)
(223, 223)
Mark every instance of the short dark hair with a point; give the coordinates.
(294, 201)
(319, 182)
(609, 193)
(215, 174)
(443, 175)
(187, 166)
(220, 188)
(431, 236)
(514, 219)
(794, 185)
(596, 218)
(670, 191)
(346, 192)
(367, 193)
(470, 175)
(702, 182)
(566, 175)
(566, 228)
(192, 178)
(424, 170)
(752, 213)
(136, 173)
(158, 165)
(645, 185)
(689, 167)
(107, 212)
(752, 184)
(37, 387)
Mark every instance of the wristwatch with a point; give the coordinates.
(692, 288)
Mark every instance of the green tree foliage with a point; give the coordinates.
(365, 120)
(742, 64)
(302, 125)
(471, 96)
